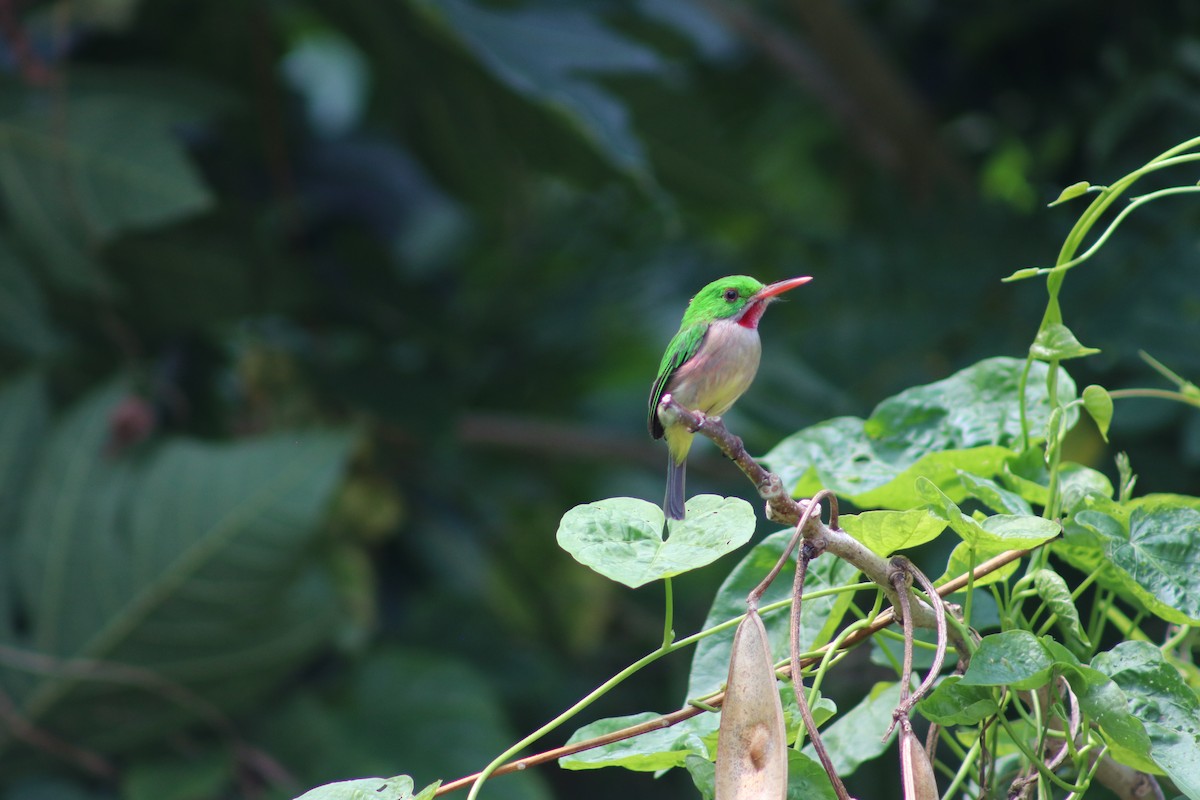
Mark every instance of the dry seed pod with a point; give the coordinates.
(752, 742)
(915, 770)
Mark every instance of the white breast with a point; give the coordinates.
(722, 369)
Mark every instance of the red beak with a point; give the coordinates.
(779, 287)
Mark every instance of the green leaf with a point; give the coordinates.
(967, 422)
(1022, 274)
(111, 165)
(857, 736)
(994, 496)
(952, 703)
(1072, 191)
(820, 617)
(965, 557)
(1107, 704)
(650, 752)
(621, 537)
(24, 323)
(1056, 342)
(1053, 590)
(1082, 486)
(1152, 552)
(885, 532)
(24, 421)
(1167, 707)
(1008, 531)
(124, 558)
(806, 778)
(360, 721)
(552, 57)
(1026, 474)
(1100, 406)
(1016, 659)
(398, 788)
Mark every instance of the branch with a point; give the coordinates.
(783, 509)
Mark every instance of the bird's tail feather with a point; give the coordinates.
(673, 504)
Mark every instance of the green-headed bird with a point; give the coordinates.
(709, 363)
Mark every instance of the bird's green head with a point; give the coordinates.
(737, 297)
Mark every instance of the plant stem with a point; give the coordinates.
(964, 769)
(668, 615)
(1162, 394)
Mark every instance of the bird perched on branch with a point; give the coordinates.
(709, 363)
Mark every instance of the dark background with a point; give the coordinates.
(467, 230)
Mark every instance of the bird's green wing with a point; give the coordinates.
(682, 347)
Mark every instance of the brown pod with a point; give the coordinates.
(915, 770)
(752, 742)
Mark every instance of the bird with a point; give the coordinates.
(708, 364)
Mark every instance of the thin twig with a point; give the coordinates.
(808, 552)
(939, 608)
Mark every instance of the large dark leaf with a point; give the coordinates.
(547, 55)
(162, 587)
(74, 178)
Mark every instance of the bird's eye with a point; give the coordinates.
(731, 295)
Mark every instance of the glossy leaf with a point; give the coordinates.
(885, 532)
(1167, 707)
(952, 703)
(622, 537)
(1056, 342)
(806, 778)
(1053, 590)
(1008, 531)
(399, 788)
(1071, 192)
(1100, 406)
(649, 752)
(966, 557)
(967, 422)
(1108, 705)
(1016, 659)
(1082, 486)
(994, 496)
(1025, 473)
(1152, 552)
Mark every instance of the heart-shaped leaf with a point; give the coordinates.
(621, 537)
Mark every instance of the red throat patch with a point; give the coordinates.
(752, 314)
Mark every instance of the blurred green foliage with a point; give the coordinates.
(236, 236)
